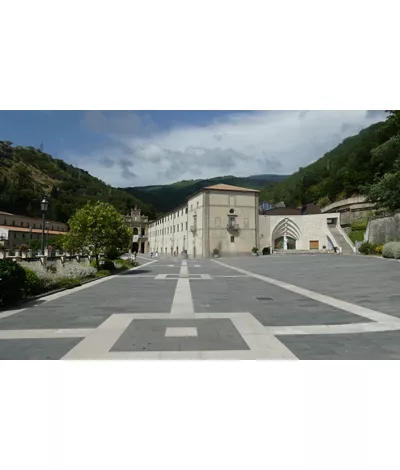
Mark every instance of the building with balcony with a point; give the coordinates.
(18, 230)
(227, 218)
(221, 217)
(140, 226)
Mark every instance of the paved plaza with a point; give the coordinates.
(267, 307)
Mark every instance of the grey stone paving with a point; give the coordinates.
(366, 346)
(271, 305)
(367, 282)
(150, 335)
(36, 349)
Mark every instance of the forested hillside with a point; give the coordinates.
(353, 167)
(27, 174)
(165, 198)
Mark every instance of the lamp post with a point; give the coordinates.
(30, 236)
(184, 238)
(47, 234)
(44, 205)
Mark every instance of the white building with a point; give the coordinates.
(226, 218)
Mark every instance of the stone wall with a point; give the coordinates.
(383, 229)
(52, 261)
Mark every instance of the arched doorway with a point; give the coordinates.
(135, 243)
(279, 243)
(285, 235)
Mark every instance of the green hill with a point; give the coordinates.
(347, 170)
(27, 173)
(164, 198)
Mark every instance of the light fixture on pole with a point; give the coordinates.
(47, 234)
(44, 205)
(30, 235)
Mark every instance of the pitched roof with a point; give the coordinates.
(228, 187)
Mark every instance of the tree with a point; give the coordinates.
(385, 192)
(97, 227)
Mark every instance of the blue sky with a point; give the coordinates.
(129, 148)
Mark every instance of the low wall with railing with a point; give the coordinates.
(48, 261)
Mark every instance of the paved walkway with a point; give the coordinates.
(291, 307)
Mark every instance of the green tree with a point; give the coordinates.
(97, 227)
(385, 192)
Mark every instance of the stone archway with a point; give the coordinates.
(285, 234)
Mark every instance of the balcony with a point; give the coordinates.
(232, 227)
(193, 228)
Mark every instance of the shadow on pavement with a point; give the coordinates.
(137, 271)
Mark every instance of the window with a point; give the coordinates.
(13, 223)
(186, 226)
(197, 203)
(232, 239)
(182, 226)
(22, 224)
(186, 210)
(177, 228)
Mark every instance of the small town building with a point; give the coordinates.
(16, 230)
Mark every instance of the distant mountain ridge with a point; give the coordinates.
(164, 198)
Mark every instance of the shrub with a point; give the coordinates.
(107, 264)
(12, 281)
(24, 247)
(102, 273)
(77, 271)
(33, 285)
(391, 250)
(367, 248)
(254, 249)
(378, 249)
(216, 251)
(112, 253)
(360, 224)
(66, 283)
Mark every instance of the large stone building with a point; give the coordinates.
(226, 218)
(18, 230)
(140, 226)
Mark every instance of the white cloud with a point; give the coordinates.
(241, 144)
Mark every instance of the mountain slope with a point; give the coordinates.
(164, 198)
(27, 174)
(344, 171)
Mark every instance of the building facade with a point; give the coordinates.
(226, 218)
(140, 227)
(219, 217)
(18, 230)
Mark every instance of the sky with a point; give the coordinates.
(139, 148)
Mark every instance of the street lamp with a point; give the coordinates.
(44, 205)
(47, 234)
(30, 236)
(184, 238)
